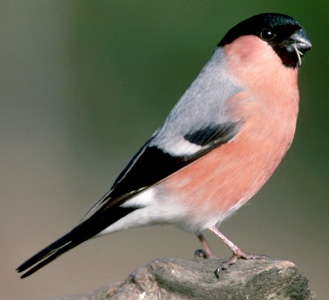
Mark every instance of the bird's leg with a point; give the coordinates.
(208, 252)
(237, 252)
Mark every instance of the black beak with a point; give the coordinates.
(301, 41)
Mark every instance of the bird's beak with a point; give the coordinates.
(301, 40)
(299, 43)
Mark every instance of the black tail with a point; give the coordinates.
(78, 235)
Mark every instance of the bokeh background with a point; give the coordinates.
(84, 83)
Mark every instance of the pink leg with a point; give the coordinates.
(205, 245)
(237, 252)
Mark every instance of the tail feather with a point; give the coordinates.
(44, 257)
(54, 250)
(78, 235)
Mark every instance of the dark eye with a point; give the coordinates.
(267, 35)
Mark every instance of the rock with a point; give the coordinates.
(178, 279)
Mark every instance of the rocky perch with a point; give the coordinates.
(178, 279)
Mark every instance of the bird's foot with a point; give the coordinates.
(239, 255)
(207, 253)
(200, 253)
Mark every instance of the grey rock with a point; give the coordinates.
(178, 279)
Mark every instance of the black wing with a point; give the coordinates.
(149, 166)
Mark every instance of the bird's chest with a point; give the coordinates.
(231, 174)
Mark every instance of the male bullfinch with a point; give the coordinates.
(218, 146)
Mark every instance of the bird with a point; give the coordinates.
(217, 147)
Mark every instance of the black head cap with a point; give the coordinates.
(283, 33)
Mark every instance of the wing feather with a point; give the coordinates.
(151, 165)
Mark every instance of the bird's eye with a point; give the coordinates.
(267, 35)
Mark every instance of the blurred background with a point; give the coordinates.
(84, 83)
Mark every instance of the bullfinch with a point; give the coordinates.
(218, 146)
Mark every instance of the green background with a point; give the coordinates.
(84, 83)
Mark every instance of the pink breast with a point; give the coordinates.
(268, 107)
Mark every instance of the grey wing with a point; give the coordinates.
(198, 123)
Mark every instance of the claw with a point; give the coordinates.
(234, 258)
(208, 252)
(200, 254)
